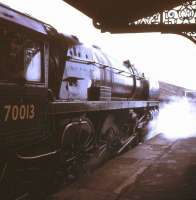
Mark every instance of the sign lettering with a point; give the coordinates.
(19, 112)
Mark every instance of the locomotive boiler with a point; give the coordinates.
(90, 74)
(63, 100)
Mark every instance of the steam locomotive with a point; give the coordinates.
(61, 97)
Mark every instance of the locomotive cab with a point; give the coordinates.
(23, 84)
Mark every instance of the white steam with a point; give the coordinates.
(176, 119)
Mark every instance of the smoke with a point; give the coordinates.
(176, 119)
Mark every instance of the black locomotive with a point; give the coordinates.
(60, 97)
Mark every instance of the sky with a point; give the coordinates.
(166, 57)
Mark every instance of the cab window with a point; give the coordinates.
(32, 65)
(20, 57)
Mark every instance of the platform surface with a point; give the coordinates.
(157, 169)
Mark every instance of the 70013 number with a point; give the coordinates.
(19, 112)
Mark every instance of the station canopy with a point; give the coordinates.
(125, 16)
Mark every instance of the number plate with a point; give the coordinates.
(18, 112)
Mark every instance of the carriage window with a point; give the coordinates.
(20, 57)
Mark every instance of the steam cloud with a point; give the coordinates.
(176, 119)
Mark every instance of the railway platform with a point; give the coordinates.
(157, 169)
